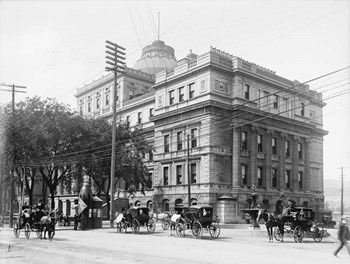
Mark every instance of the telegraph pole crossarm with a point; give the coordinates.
(115, 58)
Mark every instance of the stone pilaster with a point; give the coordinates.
(295, 170)
(307, 175)
(268, 151)
(281, 180)
(236, 153)
(253, 156)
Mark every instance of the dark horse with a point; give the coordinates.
(271, 221)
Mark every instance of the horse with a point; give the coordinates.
(47, 224)
(271, 221)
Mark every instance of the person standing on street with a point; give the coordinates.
(343, 236)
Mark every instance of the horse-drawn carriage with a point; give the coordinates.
(35, 220)
(198, 219)
(300, 221)
(134, 218)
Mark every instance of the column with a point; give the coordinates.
(295, 166)
(236, 153)
(307, 171)
(253, 156)
(281, 180)
(268, 151)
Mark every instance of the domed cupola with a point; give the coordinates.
(156, 57)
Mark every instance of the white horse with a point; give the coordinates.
(47, 224)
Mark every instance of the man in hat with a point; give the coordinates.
(343, 236)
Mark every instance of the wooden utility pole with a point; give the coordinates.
(188, 171)
(12, 188)
(342, 193)
(115, 59)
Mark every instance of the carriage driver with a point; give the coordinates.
(40, 205)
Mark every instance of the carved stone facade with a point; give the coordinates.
(230, 128)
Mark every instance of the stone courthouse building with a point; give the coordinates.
(226, 126)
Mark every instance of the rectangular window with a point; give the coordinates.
(89, 107)
(97, 103)
(285, 103)
(117, 96)
(287, 148)
(150, 180)
(244, 172)
(302, 109)
(166, 143)
(81, 110)
(275, 102)
(107, 99)
(150, 112)
(179, 139)
(274, 178)
(274, 146)
(194, 135)
(244, 140)
(165, 175)
(171, 97)
(246, 91)
(193, 169)
(128, 120)
(300, 151)
(260, 176)
(191, 91)
(139, 117)
(181, 94)
(300, 180)
(287, 179)
(150, 155)
(179, 174)
(260, 143)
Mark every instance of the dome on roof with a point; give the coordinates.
(156, 57)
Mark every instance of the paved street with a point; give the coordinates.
(107, 246)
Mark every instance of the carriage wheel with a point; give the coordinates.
(298, 234)
(318, 234)
(277, 233)
(135, 225)
(197, 229)
(165, 224)
(214, 229)
(16, 229)
(180, 229)
(27, 230)
(151, 226)
(51, 232)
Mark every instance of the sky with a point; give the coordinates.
(54, 47)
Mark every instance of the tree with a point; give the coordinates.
(131, 146)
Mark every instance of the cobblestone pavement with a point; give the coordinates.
(107, 246)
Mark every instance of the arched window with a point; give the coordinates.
(249, 203)
(165, 205)
(265, 204)
(150, 205)
(137, 203)
(178, 202)
(194, 201)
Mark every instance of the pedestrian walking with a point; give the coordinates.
(343, 236)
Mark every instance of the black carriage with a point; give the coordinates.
(200, 219)
(34, 220)
(300, 221)
(135, 218)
